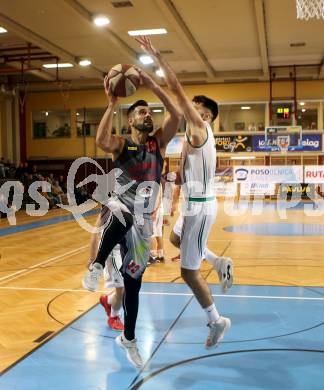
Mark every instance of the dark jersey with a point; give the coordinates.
(139, 163)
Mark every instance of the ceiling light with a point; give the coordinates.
(154, 31)
(303, 109)
(84, 62)
(159, 73)
(302, 103)
(62, 65)
(101, 21)
(46, 113)
(3, 30)
(245, 108)
(157, 110)
(243, 158)
(146, 60)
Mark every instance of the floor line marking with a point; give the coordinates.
(241, 296)
(251, 239)
(35, 266)
(47, 289)
(169, 293)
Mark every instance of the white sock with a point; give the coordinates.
(210, 256)
(114, 313)
(160, 252)
(153, 253)
(110, 298)
(212, 313)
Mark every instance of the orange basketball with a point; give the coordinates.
(123, 79)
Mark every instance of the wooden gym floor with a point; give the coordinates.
(42, 267)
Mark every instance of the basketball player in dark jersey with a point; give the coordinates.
(140, 159)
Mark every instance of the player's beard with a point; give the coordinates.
(145, 127)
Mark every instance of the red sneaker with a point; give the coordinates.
(104, 302)
(115, 323)
(176, 258)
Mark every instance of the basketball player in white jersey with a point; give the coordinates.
(198, 164)
(223, 265)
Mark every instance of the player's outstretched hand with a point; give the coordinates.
(146, 79)
(147, 46)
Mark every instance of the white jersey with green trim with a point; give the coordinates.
(198, 166)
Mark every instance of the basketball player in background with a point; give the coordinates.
(157, 252)
(112, 303)
(140, 160)
(198, 164)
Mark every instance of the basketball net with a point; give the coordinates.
(307, 9)
(65, 87)
(283, 142)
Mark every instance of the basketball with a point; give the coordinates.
(123, 80)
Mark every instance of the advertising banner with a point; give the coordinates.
(302, 190)
(228, 190)
(224, 174)
(314, 174)
(175, 146)
(257, 189)
(233, 143)
(310, 143)
(269, 174)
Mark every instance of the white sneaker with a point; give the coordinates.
(131, 349)
(92, 277)
(225, 269)
(217, 331)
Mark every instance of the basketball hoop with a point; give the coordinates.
(22, 94)
(283, 142)
(65, 87)
(307, 9)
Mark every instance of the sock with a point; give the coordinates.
(212, 313)
(110, 298)
(114, 313)
(210, 256)
(160, 252)
(153, 253)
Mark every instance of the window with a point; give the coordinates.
(88, 119)
(242, 117)
(51, 124)
(307, 115)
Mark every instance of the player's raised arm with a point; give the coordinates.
(196, 129)
(172, 122)
(104, 138)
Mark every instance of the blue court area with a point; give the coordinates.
(45, 222)
(278, 229)
(276, 342)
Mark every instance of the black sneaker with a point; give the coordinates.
(152, 260)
